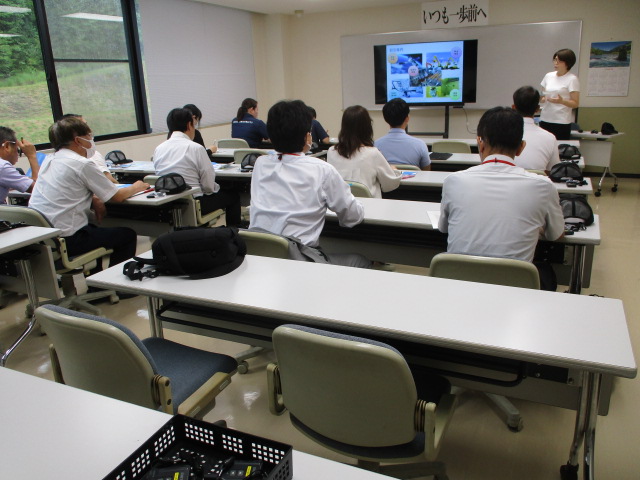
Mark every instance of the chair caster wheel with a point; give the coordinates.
(598, 193)
(243, 367)
(614, 189)
(114, 299)
(516, 428)
(569, 472)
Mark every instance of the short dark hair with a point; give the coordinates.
(178, 120)
(288, 123)
(70, 115)
(356, 130)
(65, 130)
(195, 111)
(7, 135)
(567, 56)
(501, 128)
(313, 111)
(526, 100)
(395, 112)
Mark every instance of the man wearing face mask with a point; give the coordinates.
(70, 185)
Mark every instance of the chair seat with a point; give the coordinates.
(195, 367)
(406, 450)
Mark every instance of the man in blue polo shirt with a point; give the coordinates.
(10, 178)
(397, 146)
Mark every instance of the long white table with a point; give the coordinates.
(14, 247)
(540, 329)
(52, 431)
(407, 226)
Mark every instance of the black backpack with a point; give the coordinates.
(171, 183)
(249, 161)
(576, 211)
(117, 157)
(196, 252)
(563, 171)
(568, 152)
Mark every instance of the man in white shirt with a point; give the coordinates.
(290, 192)
(397, 146)
(69, 185)
(541, 152)
(498, 209)
(10, 178)
(180, 154)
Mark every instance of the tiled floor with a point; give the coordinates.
(478, 446)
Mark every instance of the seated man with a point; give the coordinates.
(397, 146)
(541, 152)
(498, 209)
(10, 178)
(290, 192)
(318, 133)
(180, 154)
(69, 184)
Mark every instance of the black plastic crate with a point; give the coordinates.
(208, 441)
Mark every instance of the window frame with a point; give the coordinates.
(132, 38)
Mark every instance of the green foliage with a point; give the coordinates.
(21, 53)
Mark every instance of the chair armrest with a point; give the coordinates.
(161, 390)
(55, 365)
(204, 395)
(274, 390)
(434, 420)
(80, 261)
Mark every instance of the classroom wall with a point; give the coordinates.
(311, 64)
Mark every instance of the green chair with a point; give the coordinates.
(496, 271)
(450, 146)
(265, 244)
(405, 167)
(359, 189)
(240, 153)
(233, 143)
(357, 397)
(72, 270)
(104, 357)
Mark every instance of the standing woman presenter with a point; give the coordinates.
(561, 94)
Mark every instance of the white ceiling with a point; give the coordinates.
(308, 6)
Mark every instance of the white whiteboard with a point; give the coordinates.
(509, 56)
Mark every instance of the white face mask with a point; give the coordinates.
(91, 151)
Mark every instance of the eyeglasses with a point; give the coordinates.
(14, 143)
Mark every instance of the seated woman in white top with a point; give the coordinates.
(357, 159)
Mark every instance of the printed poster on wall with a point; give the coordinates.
(609, 67)
(454, 13)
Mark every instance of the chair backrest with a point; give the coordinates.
(99, 355)
(359, 189)
(349, 389)
(240, 153)
(497, 271)
(265, 244)
(406, 167)
(17, 214)
(450, 146)
(151, 179)
(233, 143)
(538, 172)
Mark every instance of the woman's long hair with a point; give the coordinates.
(247, 103)
(356, 131)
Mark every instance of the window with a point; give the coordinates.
(89, 49)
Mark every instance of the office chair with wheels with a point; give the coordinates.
(72, 270)
(357, 397)
(405, 167)
(104, 357)
(359, 189)
(450, 146)
(496, 271)
(233, 143)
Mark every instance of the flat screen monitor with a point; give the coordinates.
(430, 73)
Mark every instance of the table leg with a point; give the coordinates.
(32, 295)
(155, 324)
(590, 427)
(570, 470)
(575, 281)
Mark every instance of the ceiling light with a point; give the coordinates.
(6, 9)
(94, 16)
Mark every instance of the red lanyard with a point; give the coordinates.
(496, 160)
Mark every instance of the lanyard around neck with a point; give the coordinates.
(497, 160)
